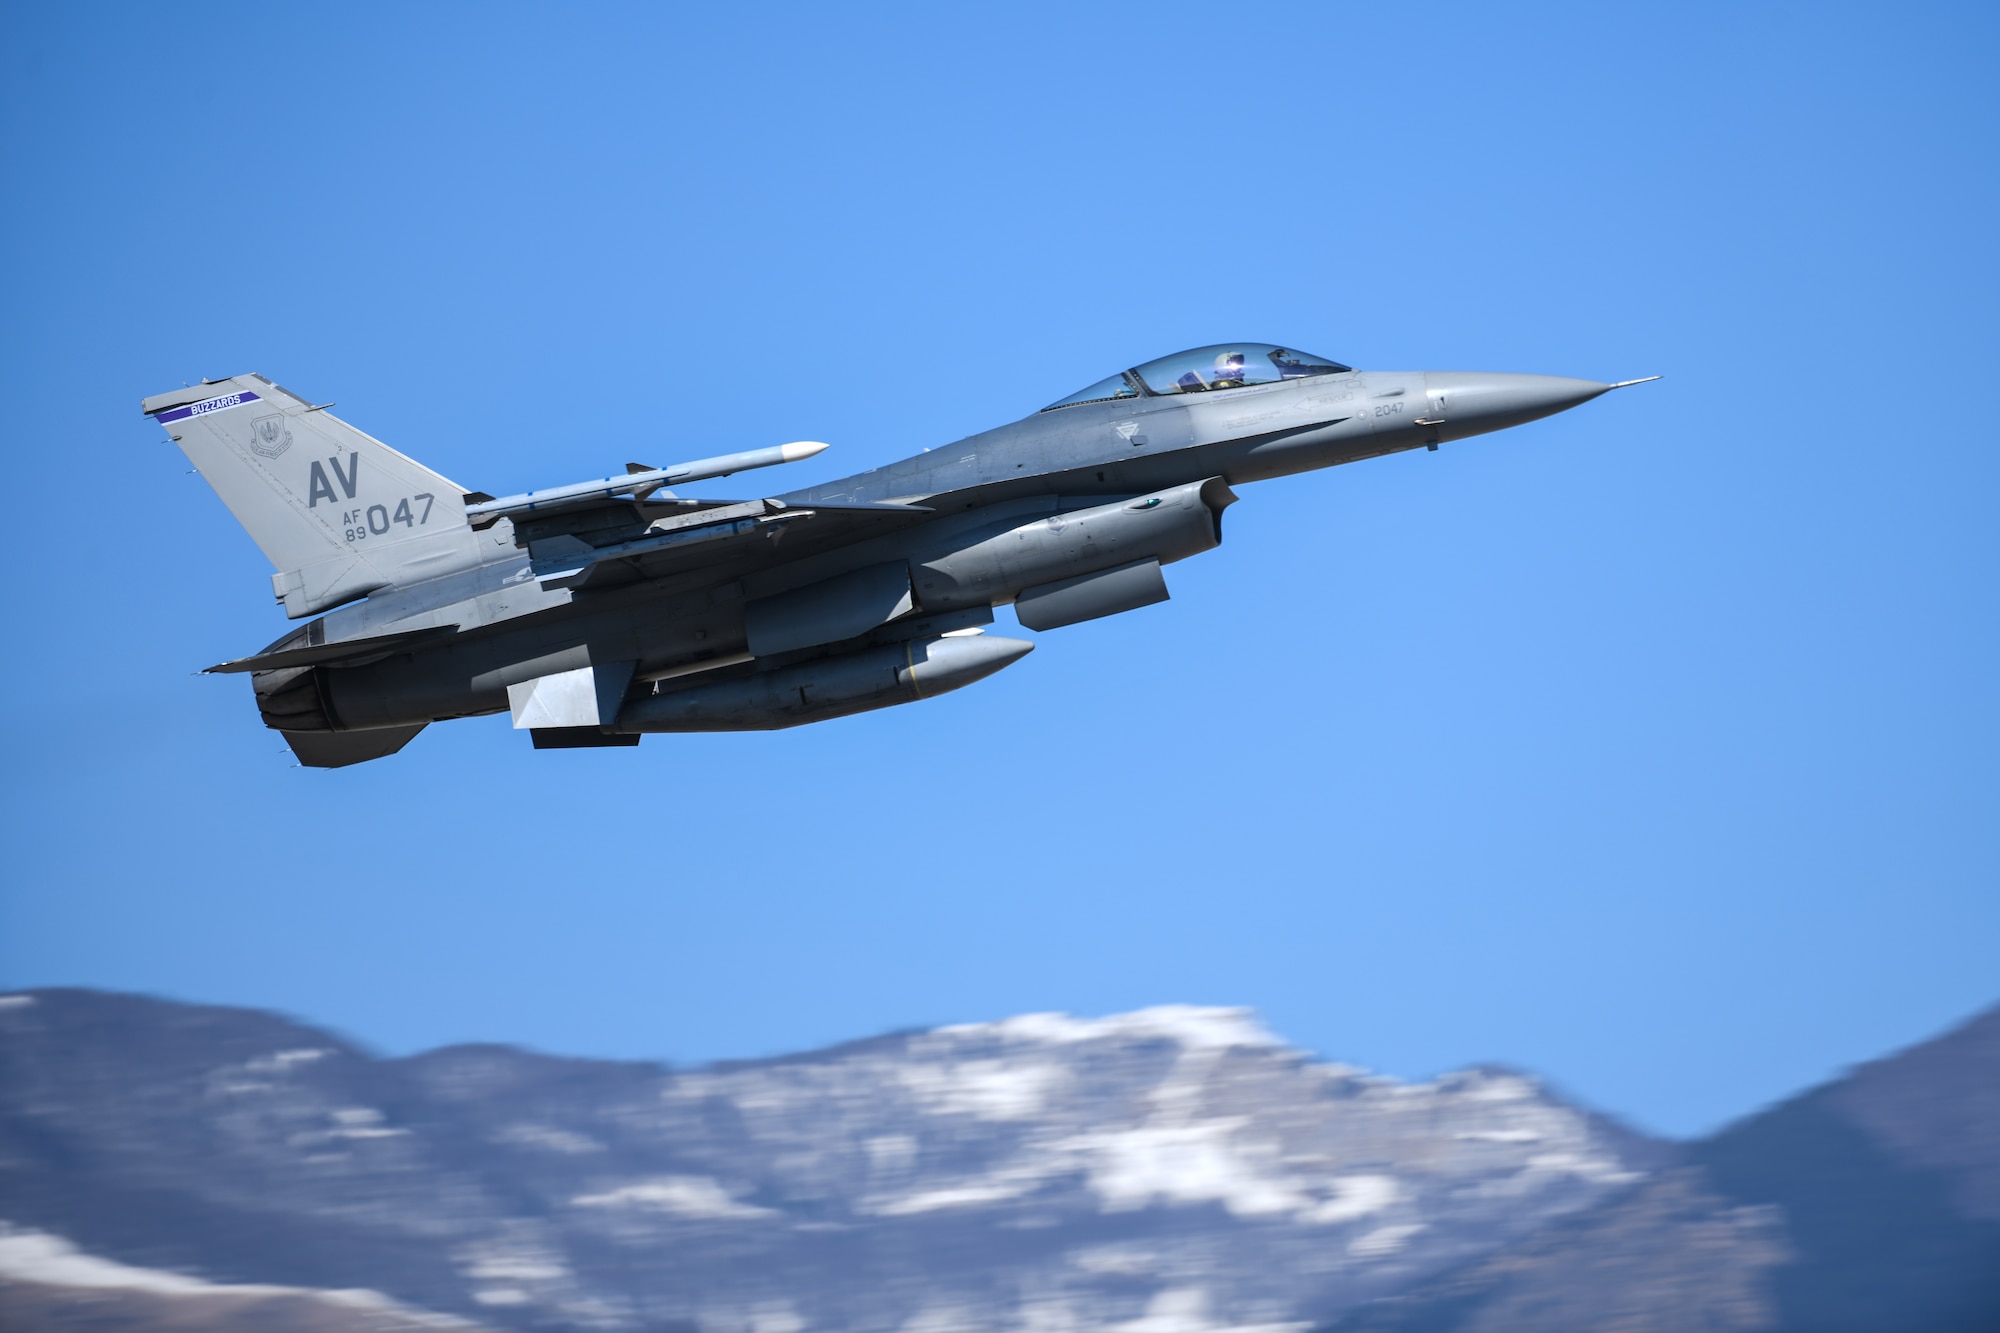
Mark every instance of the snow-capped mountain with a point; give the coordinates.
(1167, 1171)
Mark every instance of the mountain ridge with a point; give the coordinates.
(1172, 1170)
(1842, 1221)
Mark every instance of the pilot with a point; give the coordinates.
(1228, 371)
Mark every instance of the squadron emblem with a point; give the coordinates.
(270, 436)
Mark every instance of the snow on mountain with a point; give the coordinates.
(45, 1279)
(1173, 1170)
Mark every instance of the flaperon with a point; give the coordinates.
(600, 611)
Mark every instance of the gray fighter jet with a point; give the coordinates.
(597, 612)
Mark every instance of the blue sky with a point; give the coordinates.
(1651, 747)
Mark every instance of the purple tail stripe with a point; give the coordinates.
(209, 405)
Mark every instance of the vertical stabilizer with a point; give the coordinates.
(337, 511)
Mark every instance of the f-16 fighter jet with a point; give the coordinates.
(597, 612)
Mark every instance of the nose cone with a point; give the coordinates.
(1474, 402)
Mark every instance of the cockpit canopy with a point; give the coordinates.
(1205, 369)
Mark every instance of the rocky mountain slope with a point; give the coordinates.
(1167, 1171)
(1870, 1204)
(1175, 1170)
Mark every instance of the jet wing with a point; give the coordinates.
(346, 652)
(580, 551)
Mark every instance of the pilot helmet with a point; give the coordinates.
(1229, 361)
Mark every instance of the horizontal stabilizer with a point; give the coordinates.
(338, 749)
(348, 652)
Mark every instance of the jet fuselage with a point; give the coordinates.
(1070, 512)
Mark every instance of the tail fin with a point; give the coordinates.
(338, 512)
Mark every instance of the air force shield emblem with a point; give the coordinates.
(270, 436)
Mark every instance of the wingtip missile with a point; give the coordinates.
(702, 469)
(641, 481)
